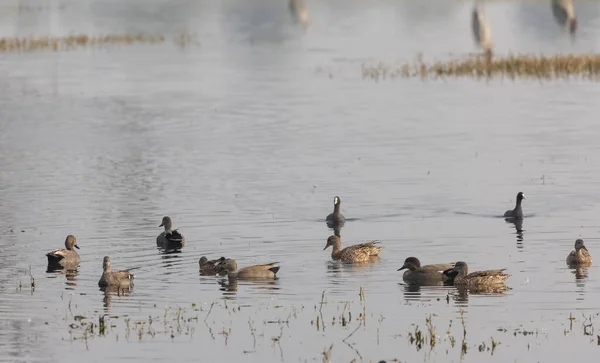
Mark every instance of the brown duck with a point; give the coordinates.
(356, 253)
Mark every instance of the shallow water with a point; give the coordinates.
(245, 138)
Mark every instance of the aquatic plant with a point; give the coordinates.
(70, 42)
(512, 66)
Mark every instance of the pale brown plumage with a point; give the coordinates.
(462, 277)
(210, 267)
(356, 253)
(264, 271)
(120, 278)
(579, 256)
(64, 257)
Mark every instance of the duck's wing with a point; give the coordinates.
(174, 236)
(441, 267)
(123, 275)
(58, 254)
(487, 273)
(449, 274)
(370, 244)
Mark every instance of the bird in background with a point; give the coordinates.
(299, 11)
(481, 30)
(564, 13)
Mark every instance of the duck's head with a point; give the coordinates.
(580, 245)
(332, 241)
(226, 266)
(336, 201)
(411, 263)
(520, 196)
(71, 242)
(203, 260)
(166, 222)
(461, 268)
(106, 263)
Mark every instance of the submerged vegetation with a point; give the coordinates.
(346, 328)
(70, 42)
(525, 66)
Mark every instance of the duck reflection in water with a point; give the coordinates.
(461, 294)
(109, 291)
(518, 224)
(336, 267)
(230, 284)
(70, 275)
(581, 273)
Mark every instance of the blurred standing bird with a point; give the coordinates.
(299, 11)
(481, 30)
(564, 13)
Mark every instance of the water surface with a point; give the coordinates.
(245, 138)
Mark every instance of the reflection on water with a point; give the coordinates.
(110, 291)
(246, 141)
(518, 224)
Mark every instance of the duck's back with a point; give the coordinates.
(268, 270)
(487, 277)
(360, 253)
(170, 239)
(63, 257)
(121, 278)
(574, 259)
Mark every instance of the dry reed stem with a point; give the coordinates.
(525, 66)
(28, 44)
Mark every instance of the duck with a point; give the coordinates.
(423, 275)
(64, 257)
(564, 13)
(121, 278)
(481, 30)
(265, 271)
(461, 277)
(209, 267)
(356, 253)
(169, 238)
(336, 220)
(518, 211)
(579, 256)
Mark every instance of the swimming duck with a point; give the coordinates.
(64, 257)
(336, 220)
(169, 238)
(423, 275)
(265, 271)
(209, 267)
(357, 253)
(518, 211)
(580, 256)
(121, 278)
(461, 276)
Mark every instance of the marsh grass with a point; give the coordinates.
(70, 42)
(512, 66)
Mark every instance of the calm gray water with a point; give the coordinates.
(245, 138)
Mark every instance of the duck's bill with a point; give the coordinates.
(325, 248)
(585, 248)
(162, 224)
(401, 268)
(76, 246)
